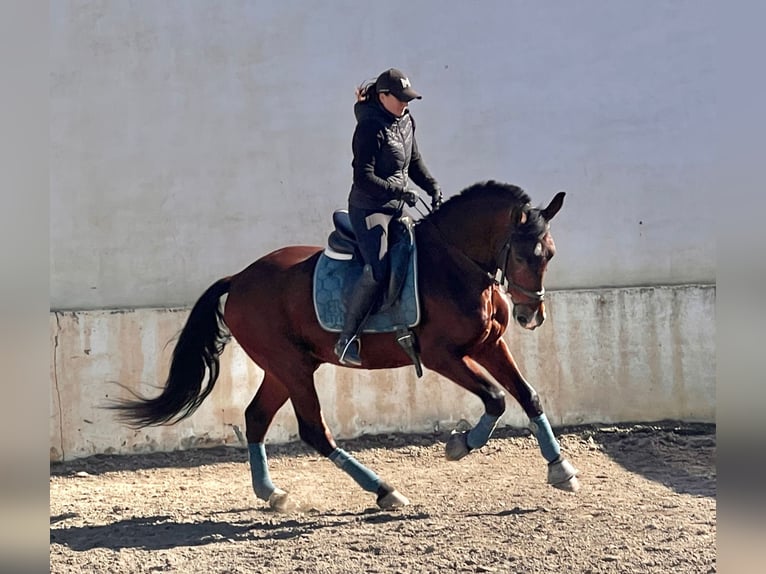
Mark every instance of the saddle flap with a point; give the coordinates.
(400, 251)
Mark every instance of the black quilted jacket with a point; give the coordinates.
(386, 157)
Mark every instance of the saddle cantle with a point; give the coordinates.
(340, 265)
(341, 243)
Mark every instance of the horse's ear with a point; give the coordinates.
(553, 206)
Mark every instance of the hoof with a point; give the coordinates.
(393, 500)
(279, 501)
(457, 446)
(571, 485)
(562, 475)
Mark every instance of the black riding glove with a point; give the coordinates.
(409, 196)
(436, 198)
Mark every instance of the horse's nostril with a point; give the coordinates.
(522, 319)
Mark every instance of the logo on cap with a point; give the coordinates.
(405, 82)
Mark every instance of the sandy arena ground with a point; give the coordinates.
(647, 504)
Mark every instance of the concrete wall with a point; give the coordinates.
(189, 137)
(603, 356)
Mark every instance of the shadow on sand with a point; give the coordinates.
(162, 532)
(681, 456)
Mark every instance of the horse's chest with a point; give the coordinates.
(496, 314)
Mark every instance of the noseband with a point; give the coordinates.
(504, 256)
(536, 296)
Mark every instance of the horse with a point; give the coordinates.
(482, 247)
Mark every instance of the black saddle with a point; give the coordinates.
(342, 244)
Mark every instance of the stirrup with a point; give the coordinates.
(347, 351)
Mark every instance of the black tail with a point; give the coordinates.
(198, 350)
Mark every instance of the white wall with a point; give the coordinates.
(189, 137)
(612, 355)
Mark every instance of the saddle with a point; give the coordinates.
(339, 267)
(342, 246)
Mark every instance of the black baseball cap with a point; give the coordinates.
(394, 81)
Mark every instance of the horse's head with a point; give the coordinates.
(527, 252)
(493, 225)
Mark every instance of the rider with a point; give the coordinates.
(386, 157)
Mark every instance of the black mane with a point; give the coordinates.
(489, 189)
(494, 190)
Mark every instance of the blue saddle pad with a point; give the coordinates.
(333, 278)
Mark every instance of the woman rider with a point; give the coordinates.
(386, 158)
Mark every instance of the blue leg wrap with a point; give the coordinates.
(549, 446)
(364, 477)
(479, 435)
(259, 470)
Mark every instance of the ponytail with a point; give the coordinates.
(365, 91)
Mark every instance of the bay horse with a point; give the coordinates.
(481, 247)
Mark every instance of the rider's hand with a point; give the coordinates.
(436, 198)
(410, 197)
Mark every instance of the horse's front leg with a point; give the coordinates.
(497, 359)
(467, 373)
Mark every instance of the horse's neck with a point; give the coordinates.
(477, 236)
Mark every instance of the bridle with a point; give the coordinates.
(504, 255)
(501, 265)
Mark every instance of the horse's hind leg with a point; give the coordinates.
(270, 397)
(313, 430)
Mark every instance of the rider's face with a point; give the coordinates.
(393, 104)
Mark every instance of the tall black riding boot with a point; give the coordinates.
(359, 306)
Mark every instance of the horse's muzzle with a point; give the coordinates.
(529, 317)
